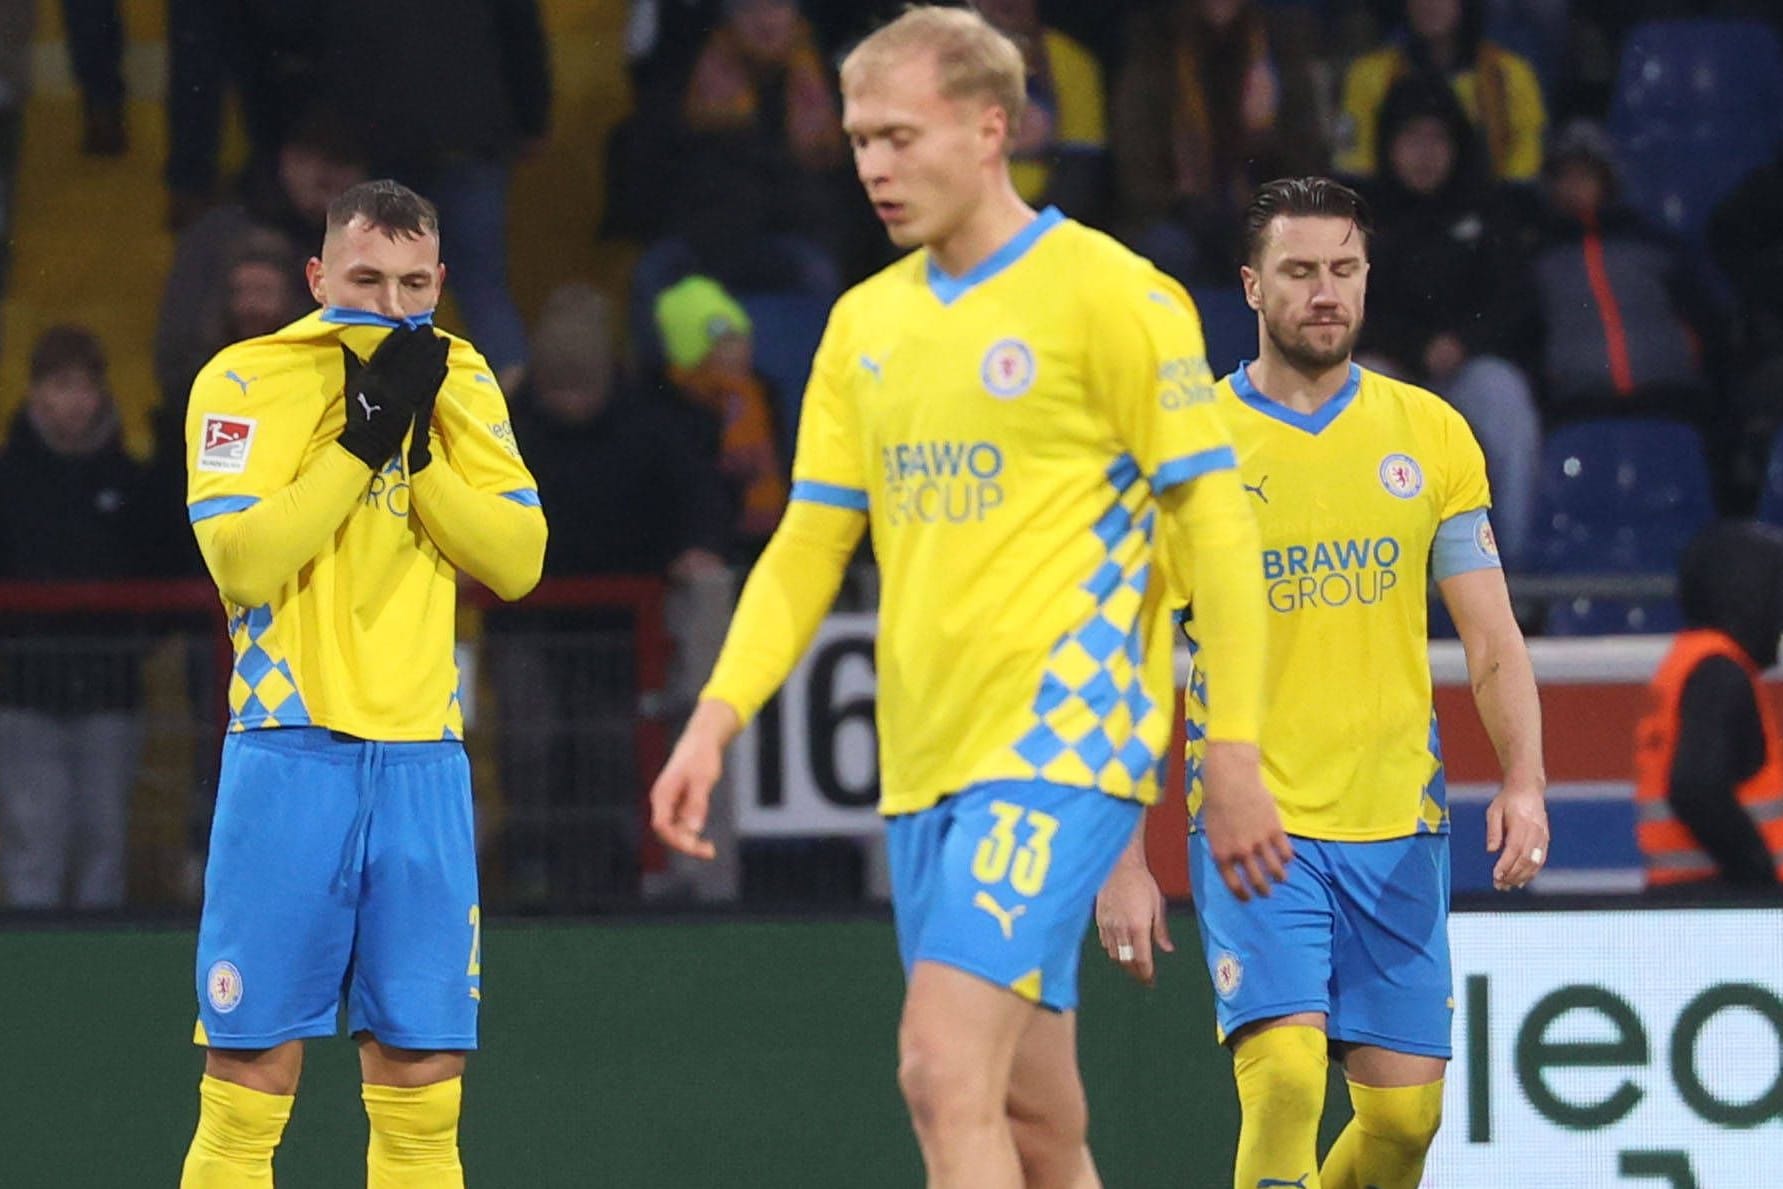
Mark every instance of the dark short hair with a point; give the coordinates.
(387, 205)
(1315, 196)
(63, 347)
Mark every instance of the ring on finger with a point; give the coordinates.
(1123, 952)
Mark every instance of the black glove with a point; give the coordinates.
(383, 392)
(420, 453)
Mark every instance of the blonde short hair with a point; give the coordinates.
(973, 58)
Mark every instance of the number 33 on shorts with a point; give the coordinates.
(998, 855)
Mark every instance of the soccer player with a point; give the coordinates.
(1021, 411)
(1364, 489)
(343, 471)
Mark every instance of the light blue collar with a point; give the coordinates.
(343, 316)
(1312, 423)
(948, 289)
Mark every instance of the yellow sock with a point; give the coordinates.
(414, 1136)
(238, 1129)
(1281, 1092)
(1384, 1145)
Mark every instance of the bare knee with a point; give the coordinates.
(1054, 1150)
(384, 1065)
(270, 1071)
(943, 1092)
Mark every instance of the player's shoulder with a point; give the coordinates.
(1109, 276)
(871, 300)
(246, 368)
(463, 356)
(1430, 418)
(1414, 401)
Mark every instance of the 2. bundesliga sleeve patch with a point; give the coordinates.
(224, 444)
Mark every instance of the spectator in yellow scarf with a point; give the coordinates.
(706, 340)
(765, 48)
(1497, 88)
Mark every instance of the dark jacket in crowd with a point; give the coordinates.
(1668, 312)
(70, 518)
(429, 81)
(627, 492)
(1451, 261)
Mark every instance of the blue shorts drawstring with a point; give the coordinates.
(371, 766)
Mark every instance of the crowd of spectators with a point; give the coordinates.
(1521, 267)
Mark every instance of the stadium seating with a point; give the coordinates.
(1698, 104)
(1770, 498)
(1619, 496)
(1612, 617)
(1229, 325)
(787, 327)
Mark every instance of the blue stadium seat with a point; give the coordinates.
(1620, 495)
(1229, 325)
(1770, 500)
(1612, 617)
(1698, 104)
(787, 327)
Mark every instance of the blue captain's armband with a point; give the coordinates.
(1464, 542)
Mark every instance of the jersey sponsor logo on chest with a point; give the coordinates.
(1334, 573)
(224, 443)
(941, 482)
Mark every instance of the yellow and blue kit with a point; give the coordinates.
(1359, 506)
(1021, 440)
(344, 770)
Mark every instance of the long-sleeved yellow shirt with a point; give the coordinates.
(340, 584)
(1035, 448)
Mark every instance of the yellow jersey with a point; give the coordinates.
(1350, 503)
(1007, 433)
(360, 638)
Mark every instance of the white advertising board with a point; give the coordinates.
(1615, 1048)
(809, 763)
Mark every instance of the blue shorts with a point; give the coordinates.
(339, 864)
(1000, 880)
(1359, 931)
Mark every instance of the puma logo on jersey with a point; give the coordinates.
(1005, 917)
(872, 365)
(368, 406)
(240, 382)
(1273, 1183)
(1256, 488)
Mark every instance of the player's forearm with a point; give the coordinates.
(787, 595)
(496, 540)
(253, 552)
(1503, 682)
(1134, 854)
(1213, 553)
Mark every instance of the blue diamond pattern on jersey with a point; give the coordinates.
(1194, 723)
(1098, 667)
(454, 712)
(263, 692)
(1433, 805)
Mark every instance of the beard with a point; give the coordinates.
(1306, 356)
